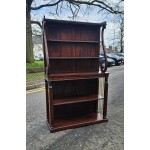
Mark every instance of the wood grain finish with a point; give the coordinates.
(78, 99)
(77, 121)
(72, 32)
(71, 61)
(60, 66)
(71, 41)
(60, 49)
(74, 88)
(76, 76)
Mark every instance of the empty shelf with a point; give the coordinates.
(77, 121)
(76, 100)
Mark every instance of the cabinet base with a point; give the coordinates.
(76, 121)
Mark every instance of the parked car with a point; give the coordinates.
(110, 61)
(118, 60)
(121, 55)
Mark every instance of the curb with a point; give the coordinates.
(29, 87)
(35, 70)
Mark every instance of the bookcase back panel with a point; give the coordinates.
(60, 32)
(87, 65)
(87, 50)
(51, 32)
(73, 65)
(62, 66)
(72, 32)
(60, 49)
(86, 33)
(74, 109)
(75, 88)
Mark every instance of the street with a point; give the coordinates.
(105, 136)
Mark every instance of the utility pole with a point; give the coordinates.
(114, 41)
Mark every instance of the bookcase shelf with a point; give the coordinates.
(76, 76)
(72, 41)
(72, 74)
(76, 100)
(74, 58)
(77, 121)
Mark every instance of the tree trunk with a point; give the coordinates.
(122, 47)
(121, 44)
(29, 42)
(121, 38)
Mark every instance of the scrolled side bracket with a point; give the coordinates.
(104, 69)
(45, 48)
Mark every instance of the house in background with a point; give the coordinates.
(111, 50)
(108, 50)
(38, 47)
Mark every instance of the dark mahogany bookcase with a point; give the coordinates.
(72, 73)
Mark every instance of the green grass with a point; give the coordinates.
(34, 78)
(36, 64)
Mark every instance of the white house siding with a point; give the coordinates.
(38, 50)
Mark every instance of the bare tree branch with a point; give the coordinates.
(97, 3)
(36, 22)
(46, 5)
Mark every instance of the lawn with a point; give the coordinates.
(34, 78)
(36, 64)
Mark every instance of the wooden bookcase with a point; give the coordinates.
(71, 58)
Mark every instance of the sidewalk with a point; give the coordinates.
(33, 86)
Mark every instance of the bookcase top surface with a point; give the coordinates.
(74, 22)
